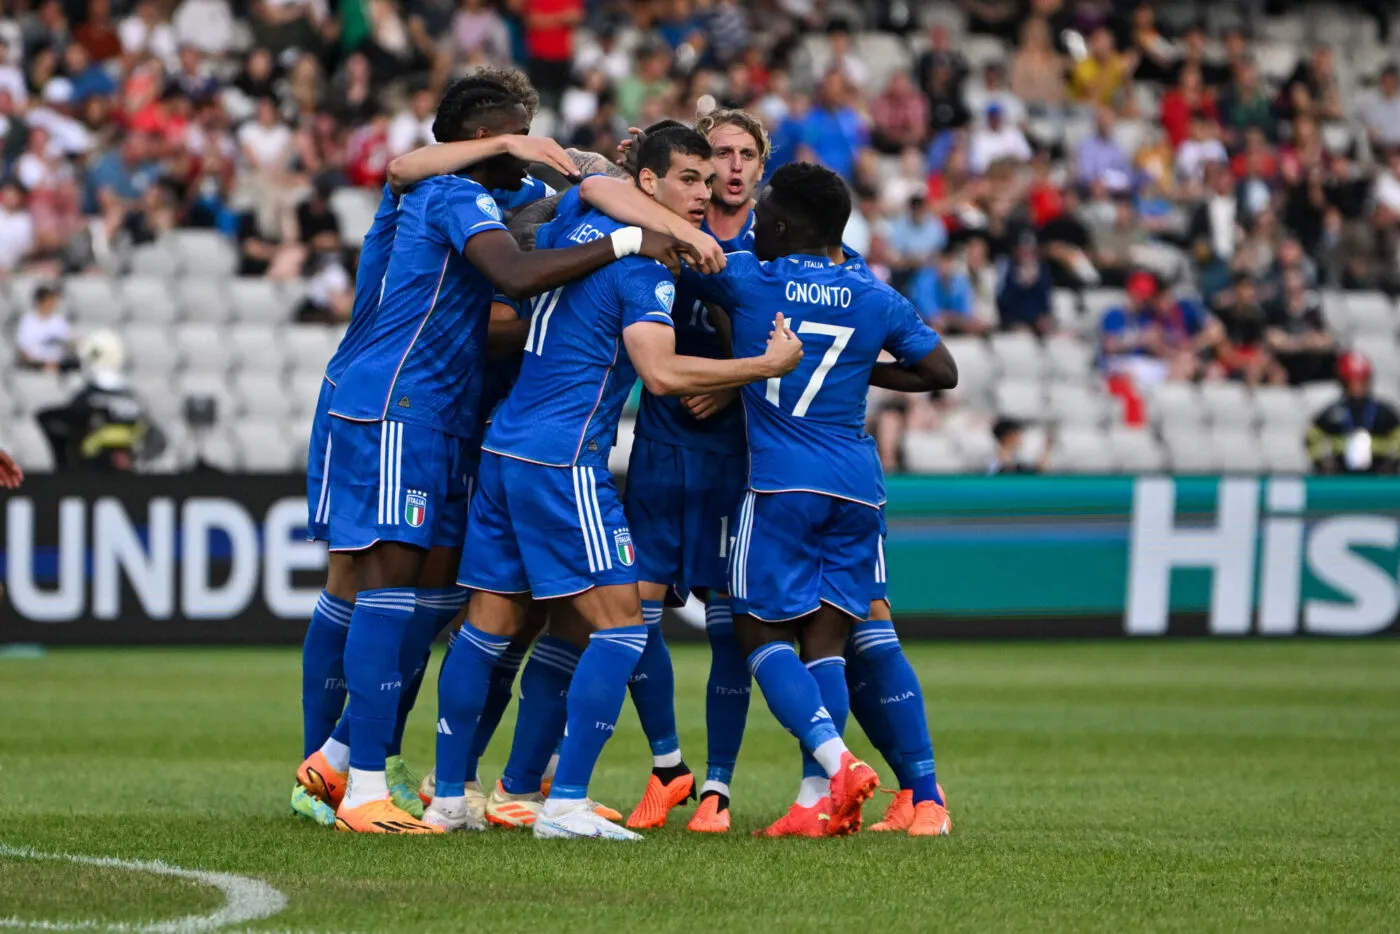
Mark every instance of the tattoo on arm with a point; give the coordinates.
(531, 218)
(590, 163)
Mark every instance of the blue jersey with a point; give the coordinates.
(806, 431)
(576, 375)
(369, 281)
(421, 357)
(665, 418)
(530, 191)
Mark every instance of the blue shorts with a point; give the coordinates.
(881, 591)
(547, 531)
(681, 505)
(318, 468)
(395, 482)
(796, 551)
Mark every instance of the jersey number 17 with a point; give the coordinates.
(840, 338)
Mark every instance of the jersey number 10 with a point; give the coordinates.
(840, 337)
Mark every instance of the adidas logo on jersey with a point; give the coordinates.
(403, 403)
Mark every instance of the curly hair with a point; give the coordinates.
(471, 99)
(742, 119)
(812, 197)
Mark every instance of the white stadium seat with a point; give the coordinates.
(931, 452)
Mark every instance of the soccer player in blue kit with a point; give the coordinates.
(808, 536)
(685, 479)
(404, 411)
(546, 511)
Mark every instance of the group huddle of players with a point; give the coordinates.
(461, 447)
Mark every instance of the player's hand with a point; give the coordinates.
(10, 474)
(707, 248)
(784, 350)
(668, 250)
(711, 403)
(628, 147)
(543, 150)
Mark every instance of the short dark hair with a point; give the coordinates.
(658, 148)
(1004, 426)
(481, 94)
(814, 197)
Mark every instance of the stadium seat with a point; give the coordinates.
(1227, 404)
(257, 348)
(1317, 396)
(258, 300)
(201, 299)
(1081, 449)
(148, 300)
(1280, 407)
(155, 259)
(150, 349)
(29, 447)
(354, 208)
(93, 301)
(1284, 451)
(1070, 358)
(303, 389)
(32, 391)
(1076, 404)
(1192, 452)
(976, 447)
(203, 347)
(1239, 451)
(308, 346)
(213, 385)
(260, 396)
(205, 253)
(1020, 399)
(1098, 301)
(1370, 312)
(1019, 354)
(976, 366)
(217, 448)
(622, 450)
(1136, 449)
(1176, 404)
(156, 390)
(931, 452)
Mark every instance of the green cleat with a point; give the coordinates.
(403, 786)
(312, 808)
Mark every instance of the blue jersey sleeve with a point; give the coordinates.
(722, 288)
(648, 292)
(463, 210)
(908, 338)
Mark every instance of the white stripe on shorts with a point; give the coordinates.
(880, 561)
(583, 523)
(323, 503)
(383, 461)
(598, 519)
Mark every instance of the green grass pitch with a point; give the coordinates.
(1200, 786)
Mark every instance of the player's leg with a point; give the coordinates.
(822, 641)
(496, 615)
(389, 487)
(502, 687)
(593, 564)
(893, 708)
(655, 503)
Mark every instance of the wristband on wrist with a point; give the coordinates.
(627, 242)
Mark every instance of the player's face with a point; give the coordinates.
(685, 189)
(768, 229)
(737, 166)
(505, 171)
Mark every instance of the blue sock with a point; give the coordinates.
(595, 699)
(726, 693)
(433, 609)
(372, 672)
(653, 686)
(901, 700)
(497, 700)
(539, 723)
(462, 689)
(865, 705)
(323, 671)
(792, 694)
(830, 675)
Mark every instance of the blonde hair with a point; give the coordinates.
(736, 118)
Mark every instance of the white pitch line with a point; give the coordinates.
(245, 899)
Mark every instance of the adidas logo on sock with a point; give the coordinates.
(443, 728)
(821, 714)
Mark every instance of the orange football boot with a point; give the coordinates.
(900, 814)
(322, 781)
(380, 816)
(930, 820)
(800, 821)
(853, 784)
(709, 817)
(658, 800)
(605, 812)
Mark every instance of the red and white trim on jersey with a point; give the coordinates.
(590, 520)
(390, 471)
(432, 306)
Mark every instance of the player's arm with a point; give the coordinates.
(937, 370)
(529, 219)
(11, 476)
(506, 331)
(625, 203)
(520, 275)
(651, 346)
(446, 158)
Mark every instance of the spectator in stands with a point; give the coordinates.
(97, 35)
(1201, 150)
(330, 290)
(1381, 113)
(1215, 229)
(899, 116)
(1153, 52)
(1009, 435)
(1101, 77)
(914, 237)
(16, 228)
(1154, 337)
(1188, 101)
(1068, 243)
(1024, 292)
(1358, 433)
(549, 40)
(947, 109)
(89, 78)
(44, 338)
(1038, 70)
(279, 25)
(650, 80)
(942, 292)
(1247, 105)
(992, 89)
(413, 128)
(205, 25)
(1100, 158)
(103, 427)
(147, 32)
(941, 57)
(1297, 332)
(999, 140)
(1118, 246)
(843, 56)
(833, 130)
(266, 145)
(1244, 354)
(1317, 76)
(11, 476)
(479, 33)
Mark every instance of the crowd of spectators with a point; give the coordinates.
(1099, 148)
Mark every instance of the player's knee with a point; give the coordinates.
(340, 577)
(498, 614)
(440, 568)
(388, 565)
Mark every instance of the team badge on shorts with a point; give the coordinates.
(415, 507)
(622, 540)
